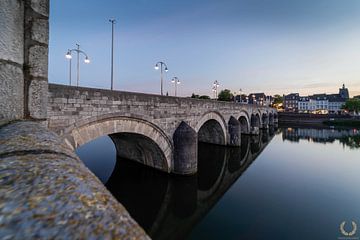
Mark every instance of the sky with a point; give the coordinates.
(271, 46)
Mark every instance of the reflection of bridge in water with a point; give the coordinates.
(349, 137)
(167, 206)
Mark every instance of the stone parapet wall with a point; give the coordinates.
(47, 192)
(75, 106)
(36, 38)
(11, 59)
(24, 39)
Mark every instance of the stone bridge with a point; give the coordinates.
(46, 191)
(158, 131)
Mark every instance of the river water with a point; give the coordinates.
(289, 183)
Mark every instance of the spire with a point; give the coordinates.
(343, 85)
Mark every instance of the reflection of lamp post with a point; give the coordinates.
(161, 65)
(68, 56)
(215, 88)
(176, 81)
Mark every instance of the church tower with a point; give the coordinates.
(344, 92)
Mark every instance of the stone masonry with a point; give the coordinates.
(80, 115)
(23, 59)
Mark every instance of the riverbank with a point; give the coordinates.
(317, 120)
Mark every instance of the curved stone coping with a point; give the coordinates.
(47, 192)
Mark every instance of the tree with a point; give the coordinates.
(225, 95)
(352, 105)
(204, 97)
(194, 95)
(199, 97)
(278, 99)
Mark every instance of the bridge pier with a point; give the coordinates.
(271, 119)
(254, 131)
(185, 150)
(265, 121)
(234, 132)
(255, 124)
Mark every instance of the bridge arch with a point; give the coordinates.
(244, 120)
(151, 135)
(212, 128)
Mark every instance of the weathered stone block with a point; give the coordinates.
(40, 31)
(40, 6)
(12, 31)
(38, 61)
(11, 92)
(38, 91)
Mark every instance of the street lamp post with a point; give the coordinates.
(161, 65)
(113, 21)
(68, 56)
(215, 88)
(176, 81)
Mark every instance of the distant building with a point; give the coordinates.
(303, 104)
(291, 102)
(358, 96)
(336, 102)
(269, 101)
(241, 98)
(260, 99)
(321, 103)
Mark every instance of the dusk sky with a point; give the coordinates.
(271, 46)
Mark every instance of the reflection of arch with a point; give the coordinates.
(210, 165)
(234, 159)
(92, 130)
(132, 196)
(212, 129)
(211, 169)
(245, 148)
(255, 145)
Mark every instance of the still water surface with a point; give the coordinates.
(288, 184)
